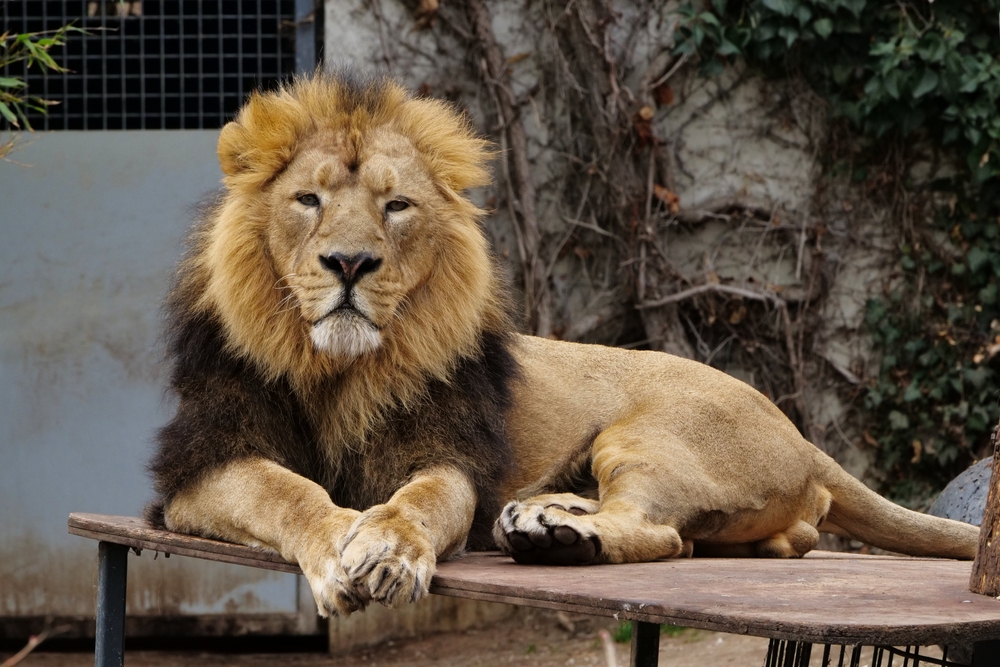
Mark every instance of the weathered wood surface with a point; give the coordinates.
(135, 532)
(831, 598)
(985, 577)
(825, 597)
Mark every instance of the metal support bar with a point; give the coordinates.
(986, 654)
(645, 644)
(112, 564)
(305, 36)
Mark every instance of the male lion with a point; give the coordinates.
(352, 395)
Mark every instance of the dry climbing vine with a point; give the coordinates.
(615, 183)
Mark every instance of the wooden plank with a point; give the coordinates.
(821, 599)
(825, 597)
(136, 533)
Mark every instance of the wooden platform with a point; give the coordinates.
(823, 598)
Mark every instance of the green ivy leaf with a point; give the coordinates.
(891, 83)
(783, 7)
(823, 27)
(898, 421)
(853, 6)
(927, 83)
(977, 259)
(789, 33)
(803, 14)
(727, 48)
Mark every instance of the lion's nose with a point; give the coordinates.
(349, 269)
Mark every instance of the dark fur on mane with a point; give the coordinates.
(228, 411)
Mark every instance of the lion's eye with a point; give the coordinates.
(308, 199)
(397, 205)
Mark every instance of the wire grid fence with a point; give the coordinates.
(154, 64)
(800, 654)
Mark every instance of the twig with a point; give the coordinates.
(383, 40)
(609, 647)
(713, 287)
(677, 65)
(499, 79)
(33, 643)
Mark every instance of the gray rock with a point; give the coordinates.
(964, 499)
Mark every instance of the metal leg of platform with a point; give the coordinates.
(986, 654)
(112, 564)
(781, 653)
(645, 644)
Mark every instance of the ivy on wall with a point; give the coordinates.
(906, 72)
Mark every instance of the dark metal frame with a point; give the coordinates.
(177, 64)
(797, 654)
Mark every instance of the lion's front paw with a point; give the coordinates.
(330, 585)
(387, 558)
(538, 533)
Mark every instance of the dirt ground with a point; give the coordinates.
(537, 638)
(533, 637)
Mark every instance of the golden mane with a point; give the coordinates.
(230, 275)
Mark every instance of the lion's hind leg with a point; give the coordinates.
(540, 530)
(551, 530)
(794, 542)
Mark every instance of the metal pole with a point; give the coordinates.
(305, 36)
(986, 654)
(645, 644)
(112, 564)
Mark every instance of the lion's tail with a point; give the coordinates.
(860, 513)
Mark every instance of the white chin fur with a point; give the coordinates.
(347, 336)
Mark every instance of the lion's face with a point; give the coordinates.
(352, 237)
(343, 242)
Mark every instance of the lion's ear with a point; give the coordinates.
(263, 138)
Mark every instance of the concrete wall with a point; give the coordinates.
(91, 226)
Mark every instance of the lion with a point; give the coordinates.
(352, 393)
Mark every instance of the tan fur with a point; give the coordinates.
(682, 455)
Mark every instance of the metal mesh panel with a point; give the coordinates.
(154, 64)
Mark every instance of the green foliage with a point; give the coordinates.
(896, 70)
(888, 67)
(672, 630)
(934, 401)
(623, 633)
(32, 48)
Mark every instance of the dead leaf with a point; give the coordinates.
(984, 159)
(582, 252)
(644, 132)
(425, 13)
(847, 206)
(646, 112)
(669, 198)
(516, 58)
(738, 315)
(918, 450)
(713, 277)
(869, 440)
(663, 94)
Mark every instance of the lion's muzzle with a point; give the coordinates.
(349, 269)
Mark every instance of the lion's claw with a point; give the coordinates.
(387, 557)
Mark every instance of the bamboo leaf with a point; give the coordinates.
(8, 114)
